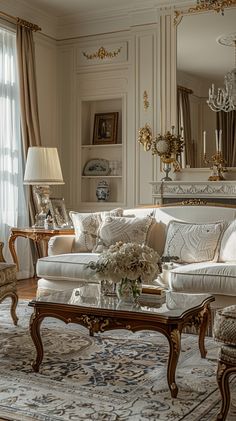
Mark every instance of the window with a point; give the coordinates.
(13, 209)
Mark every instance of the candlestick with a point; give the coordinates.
(204, 142)
(217, 143)
(220, 141)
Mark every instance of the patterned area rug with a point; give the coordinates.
(115, 376)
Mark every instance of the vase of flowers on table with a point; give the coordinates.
(128, 265)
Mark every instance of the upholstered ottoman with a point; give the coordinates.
(225, 331)
(8, 287)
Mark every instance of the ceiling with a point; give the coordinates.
(60, 8)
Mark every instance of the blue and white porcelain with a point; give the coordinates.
(103, 191)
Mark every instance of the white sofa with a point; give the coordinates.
(66, 269)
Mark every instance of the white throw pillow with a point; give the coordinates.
(86, 227)
(192, 243)
(127, 230)
(228, 244)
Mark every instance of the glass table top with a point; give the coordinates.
(171, 304)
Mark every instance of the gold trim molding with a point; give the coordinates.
(102, 53)
(218, 6)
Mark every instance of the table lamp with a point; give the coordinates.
(42, 170)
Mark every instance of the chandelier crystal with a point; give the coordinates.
(224, 99)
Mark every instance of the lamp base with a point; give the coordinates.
(41, 195)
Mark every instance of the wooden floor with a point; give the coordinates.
(26, 288)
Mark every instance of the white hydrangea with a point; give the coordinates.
(127, 260)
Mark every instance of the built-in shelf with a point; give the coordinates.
(112, 152)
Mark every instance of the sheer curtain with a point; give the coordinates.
(13, 208)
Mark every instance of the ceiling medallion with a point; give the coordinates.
(102, 53)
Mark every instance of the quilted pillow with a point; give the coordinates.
(86, 227)
(228, 244)
(192, 243)
(127, 230)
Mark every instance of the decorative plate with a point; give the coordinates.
(97, 167)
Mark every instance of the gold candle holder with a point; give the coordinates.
(218, 166)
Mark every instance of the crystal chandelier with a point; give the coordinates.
(224, 99)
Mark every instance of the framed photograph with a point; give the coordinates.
(58, 212)
(105, 128)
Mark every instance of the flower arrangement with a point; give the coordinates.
(127, 261)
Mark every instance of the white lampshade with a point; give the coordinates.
(43, 166)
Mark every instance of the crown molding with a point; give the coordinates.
(98, 21)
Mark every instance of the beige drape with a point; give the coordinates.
(184, 120)
(227, 123)
(28, 95)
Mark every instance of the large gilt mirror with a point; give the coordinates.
(202, 61)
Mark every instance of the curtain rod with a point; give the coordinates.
(19, 21)
(182, 88)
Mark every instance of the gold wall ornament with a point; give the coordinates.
(145, 137)
(102, 53)
(168, 146)
(145, 100)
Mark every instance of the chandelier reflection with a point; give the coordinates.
(168, 146)
(224, 99)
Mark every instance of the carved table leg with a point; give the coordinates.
(35, 323)
(223, 374)
(14, 299)
(174, 342)
(205, 316)
(11, 245)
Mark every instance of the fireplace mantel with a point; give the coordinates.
(209, 191)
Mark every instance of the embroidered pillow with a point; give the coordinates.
(192, 243)
(228, 244)
(127, 230)
(86, 227)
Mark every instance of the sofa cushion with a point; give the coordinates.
(192, 242)
(67, 267)
(125, 229)
(214, 278)
(228, 244)
(86, 227)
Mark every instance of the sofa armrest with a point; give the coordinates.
(60, 244)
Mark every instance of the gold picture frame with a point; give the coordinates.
(105, 128)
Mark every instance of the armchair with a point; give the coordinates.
(8, 284)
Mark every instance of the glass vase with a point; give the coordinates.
(108, 288)
(129, 290)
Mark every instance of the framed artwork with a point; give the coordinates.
(105, 128)
(58, 212)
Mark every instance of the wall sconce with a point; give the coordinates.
(42, 169)
(167, 146)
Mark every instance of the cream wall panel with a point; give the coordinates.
(146, 56)
(67, 125)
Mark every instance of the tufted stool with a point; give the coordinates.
(8, 284)
(225, 331)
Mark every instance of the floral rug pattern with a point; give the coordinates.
(114, 376)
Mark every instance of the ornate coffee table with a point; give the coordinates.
(100, 314)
